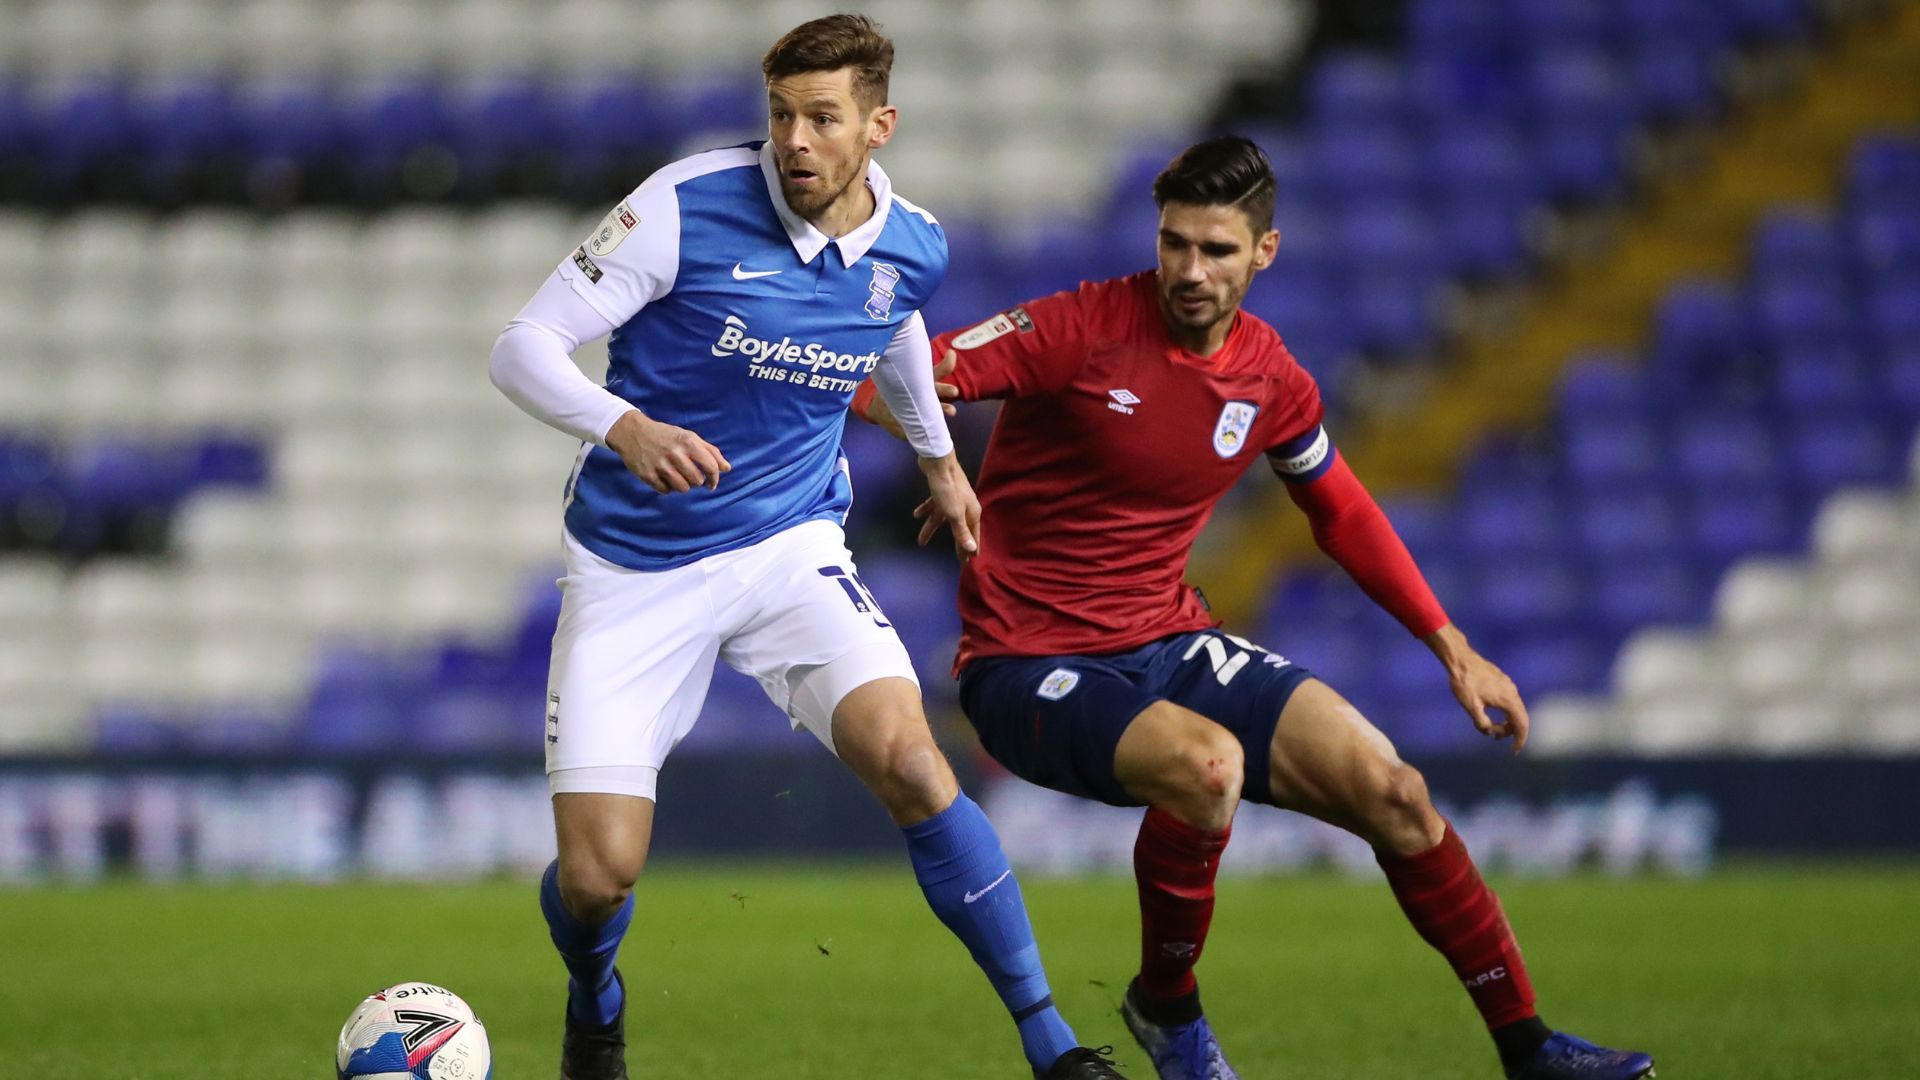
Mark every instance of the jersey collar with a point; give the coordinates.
(809, 241)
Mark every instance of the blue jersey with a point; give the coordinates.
(738, 320)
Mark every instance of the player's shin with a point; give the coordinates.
(1174, 865)
(967, 881)
(1453, 909)
(593, 994)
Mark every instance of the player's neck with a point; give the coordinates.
(848, 212)
(1203, 342)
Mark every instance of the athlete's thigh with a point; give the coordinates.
(805, 627)
(1325, 756)
(632, 658)
(1236, 684)
(1056, 721)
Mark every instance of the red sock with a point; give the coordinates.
(1174, 865)
(1445, 900)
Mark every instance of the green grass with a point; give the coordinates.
(754, 971)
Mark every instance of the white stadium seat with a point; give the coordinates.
(1762, 593)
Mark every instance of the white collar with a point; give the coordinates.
(809, 241)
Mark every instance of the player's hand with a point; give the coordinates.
(666, 458)
(1481, 687)
(943, 371)
(952, 504)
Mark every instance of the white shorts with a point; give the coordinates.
(634, 651)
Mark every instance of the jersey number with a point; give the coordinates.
(857, 592)
(1225, 667)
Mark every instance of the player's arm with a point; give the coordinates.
(1035, 348)
(903, 384)
(1352, 529)
(583, 300)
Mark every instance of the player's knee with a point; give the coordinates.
(593, 889)
(1205, 776)
(1403, 813)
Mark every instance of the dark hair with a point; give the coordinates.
(833, 42)
(1226, 171)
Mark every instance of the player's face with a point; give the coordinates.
(822, 139)
(1208, 256)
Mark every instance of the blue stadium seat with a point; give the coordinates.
(1825, 376)
(294, 121)
(1550, 661)
(1496, 520)
(1724, 447)
(1886, 240)
(1356, 87)
(501, 118)
(1582, 162)
(1366, 164)
(1885, 171)
(1611, 451)
(1561, 24)
(1456, 28)
(1699, 25)
(1702, 342)
(1899, 379)
(1425, 524)
(1582, 88)
(90, 123)
(1832, 450)
(361, 702)
(1642, 590)
(1481, 159)
(1387, 238)
(1483, 238)
(1605, 386)
(190, 118)
(1798, 243)
(1769, 20)
(1789, 313)
(1893, 310)
(1518, 594)
(1728, 522)
(393, 120)
(127, 730)
(1391, 314)
(1618, 524)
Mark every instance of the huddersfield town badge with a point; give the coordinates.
(880, 291)
(1230, 431)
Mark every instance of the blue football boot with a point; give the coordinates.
(1181, 1052)
(1566, 1057)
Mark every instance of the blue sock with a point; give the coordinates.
(593, 994)
(958, 862)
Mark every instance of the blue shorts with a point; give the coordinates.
(1056, 720)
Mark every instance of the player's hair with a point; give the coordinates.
(1226, 171)
(833, 42)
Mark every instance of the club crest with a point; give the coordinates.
(1059, 683)
(880, 291)
(1230, 431)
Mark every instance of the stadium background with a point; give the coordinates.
(1617, 306)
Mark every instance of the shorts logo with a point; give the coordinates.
(613, 229)
(553, 717)
(1230, 431)
(998, 326)
(587, 266)
(1059, 683)
(880, 290)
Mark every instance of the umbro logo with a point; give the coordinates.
(749, 275)
(1123, 401)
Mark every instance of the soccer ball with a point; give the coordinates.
(414, 1031)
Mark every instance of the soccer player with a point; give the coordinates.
(1087, 666)
(748, 291)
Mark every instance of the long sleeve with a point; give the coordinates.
(904, 378)
(631, 259)
(1352, 529)
(533, 364)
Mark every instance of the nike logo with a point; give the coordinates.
(749, 275)
(972, 896)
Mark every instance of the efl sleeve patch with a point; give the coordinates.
(1304, 459)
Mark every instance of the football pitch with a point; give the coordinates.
(766, 971)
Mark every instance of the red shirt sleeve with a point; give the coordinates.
(1352, 529)
(1035, 348)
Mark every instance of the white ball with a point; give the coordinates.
(414, 1031)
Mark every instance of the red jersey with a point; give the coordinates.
(1109, 455)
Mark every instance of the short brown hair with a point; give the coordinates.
(1224, 171)
(833, 42)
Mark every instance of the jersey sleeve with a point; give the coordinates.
(632, 257)
(1036, 348)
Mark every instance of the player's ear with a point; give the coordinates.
(881, 122)
(1265, 249)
